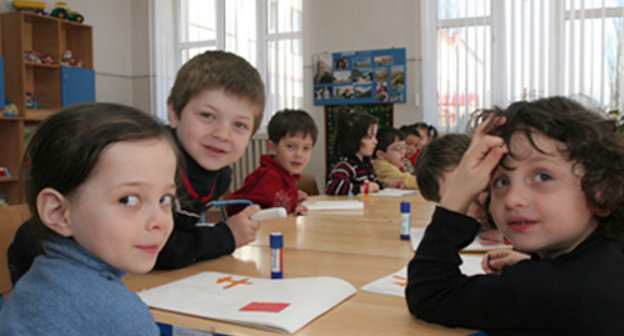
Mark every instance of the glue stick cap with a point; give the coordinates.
(405, 206)
(277, 240)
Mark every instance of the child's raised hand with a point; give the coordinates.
(396, 183)
(373, 187)
(494, 261)
(472, 175)
(243, 228)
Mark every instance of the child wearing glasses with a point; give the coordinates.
(389, 159)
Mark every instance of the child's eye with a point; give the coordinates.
(207, 115)
(542, 177)
(167, 199)
(129, 200)
(241, 125)
(500, 182)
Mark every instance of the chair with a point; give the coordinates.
(11, 218)
(307, 183)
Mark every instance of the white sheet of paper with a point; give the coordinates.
(221, 296)
(478, 245)
(334, 205)
(394, 284)
(394, 192)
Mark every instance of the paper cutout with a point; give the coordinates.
(269, 307)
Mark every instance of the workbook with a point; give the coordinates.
(284, 305)
(394, 284)
(477, 245)
(394, 192)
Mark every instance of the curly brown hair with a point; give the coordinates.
(592, 140)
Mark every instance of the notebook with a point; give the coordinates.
(283, 305)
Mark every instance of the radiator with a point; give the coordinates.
(249, 161)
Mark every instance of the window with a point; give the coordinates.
(481, 53)
(267, 33)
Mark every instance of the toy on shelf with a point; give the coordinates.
(32, 56)
(62, 12)
(10, 109)
(31, 100)
(31, 6)
(4, 172)
(47, 59)
(68, 60)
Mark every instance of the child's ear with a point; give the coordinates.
(379, 153)
(272, 147)
(172, 116)
(53, 209)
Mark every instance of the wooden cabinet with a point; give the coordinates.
(53, 85)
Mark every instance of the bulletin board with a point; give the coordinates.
(360, 77)
(383, 112)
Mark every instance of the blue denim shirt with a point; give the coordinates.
(68, 291)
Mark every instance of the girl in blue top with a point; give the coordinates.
(102, 189)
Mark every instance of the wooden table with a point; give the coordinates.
(358, 249)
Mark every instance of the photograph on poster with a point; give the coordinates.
(398, 78)
(322, 69)
(365, 91)
(363, 75)
(360, 77)
(345, 92)
(342, 77)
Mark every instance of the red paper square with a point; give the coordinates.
(267, 307)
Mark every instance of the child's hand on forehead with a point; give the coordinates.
(472, 175)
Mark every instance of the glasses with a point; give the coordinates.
(398, 148)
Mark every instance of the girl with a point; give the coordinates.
(102, 189)
(353, 145)
(555, 177)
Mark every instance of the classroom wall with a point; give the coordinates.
(349, 25)
(121, 47)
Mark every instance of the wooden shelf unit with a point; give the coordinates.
(24, 31)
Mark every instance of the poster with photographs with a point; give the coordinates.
(360, 77)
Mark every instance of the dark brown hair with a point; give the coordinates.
(218, 70)
(351, 128)
(290, 122)
(435, 159)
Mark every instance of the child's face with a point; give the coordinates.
(214, 128)
(368, 142)
(413, 143)
(539, 204)
(122, 212)
(293, 152)
(395, 153)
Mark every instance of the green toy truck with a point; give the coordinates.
(62, 12)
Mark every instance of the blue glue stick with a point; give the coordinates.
(277, 258)
(405, 220)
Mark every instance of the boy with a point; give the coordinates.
(215, 106)
(292, 135)
(436, 161)
(390, 157)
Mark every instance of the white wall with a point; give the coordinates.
(350, 25)
(120, 47)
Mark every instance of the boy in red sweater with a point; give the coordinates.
(292, 135)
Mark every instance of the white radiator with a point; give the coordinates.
(249, 161)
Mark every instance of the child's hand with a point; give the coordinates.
(494, 261)
(300, 209)
(302, 195)
(243, 228)
(373, 187)
(472, 175)
(396, 183)
(492, 235)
